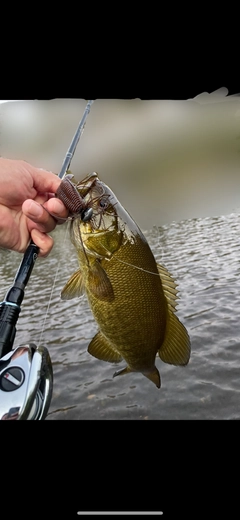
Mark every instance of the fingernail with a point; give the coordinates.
(35, 210)
(58, 205)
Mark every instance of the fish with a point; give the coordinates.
(132, 298)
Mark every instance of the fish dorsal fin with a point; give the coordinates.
(74, 287)
(102, 349)
(99, 283)
(169, 287)
(176, 347)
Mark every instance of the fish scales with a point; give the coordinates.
(136, 312)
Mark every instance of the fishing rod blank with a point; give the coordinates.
(73, 145)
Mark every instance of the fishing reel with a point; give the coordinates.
(26, 382)
(26, 376)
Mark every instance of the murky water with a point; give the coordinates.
(203, 255)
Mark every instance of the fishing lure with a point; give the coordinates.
(92, 209)
(71, 198)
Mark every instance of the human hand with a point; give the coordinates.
(24, 193)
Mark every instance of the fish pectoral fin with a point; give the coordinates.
(176, 347)
(74, 287)
(99, 283)
(101, 348)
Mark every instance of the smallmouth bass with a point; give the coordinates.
(133, 299)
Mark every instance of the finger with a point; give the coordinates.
(43, 241)
(39, 217)
(56, 207)
(45, 181)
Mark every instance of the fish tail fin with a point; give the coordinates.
(153, 375)
(176, 347)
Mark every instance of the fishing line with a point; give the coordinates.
(130, 265)
(116, 258)
(135, 266)
(52, 289)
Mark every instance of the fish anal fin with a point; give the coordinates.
(74, 287)
(99, 283)
(101, 348)
(176, 347)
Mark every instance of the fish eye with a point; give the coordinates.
(103, 203)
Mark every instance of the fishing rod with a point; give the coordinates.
(26, 375)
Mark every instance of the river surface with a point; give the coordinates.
(203, 256)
